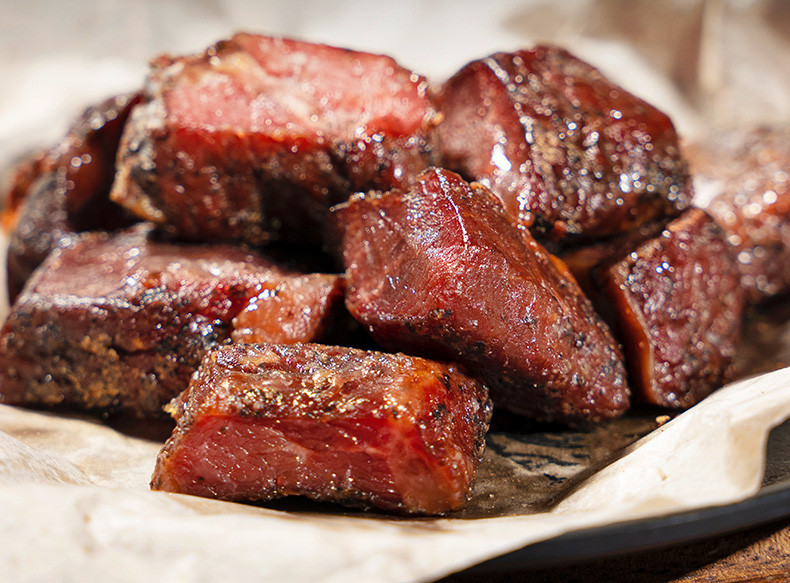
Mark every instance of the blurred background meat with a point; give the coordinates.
(742, 177)
(66, 190)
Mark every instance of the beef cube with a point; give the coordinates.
(742, 178)
(441, 271)
(67, 190)
(255, 139)
(677, 301)
(368, 429)
(121, 322)
(571, 154)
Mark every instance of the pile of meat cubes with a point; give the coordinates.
(329, 273)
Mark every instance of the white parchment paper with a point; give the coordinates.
(74, 498)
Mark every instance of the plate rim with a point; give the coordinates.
(769, 504)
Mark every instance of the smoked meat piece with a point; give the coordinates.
(571, 154)
(256, 138)
(742, 178)
(369, 429)
(441, 271)
(66, 190)
(121, 322)
(678, 304)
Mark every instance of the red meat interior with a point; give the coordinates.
(289, 89)
(245, 458)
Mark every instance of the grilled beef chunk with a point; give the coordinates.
(67, 190)
(441, 270)
(569, 153)
(256, 138)
(677, 302)
(121, 322)
(389, 431)
(742, 178)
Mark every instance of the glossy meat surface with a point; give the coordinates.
(296, 309)
(337, 424)
(569, 153)
(742, 178)
(67, 190)
(678, 303)
(121, 322)
(255, 139)
(441, 270)
(583, 261)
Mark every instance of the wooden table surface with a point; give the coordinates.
(754, 555)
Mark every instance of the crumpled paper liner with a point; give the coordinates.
(74, 498)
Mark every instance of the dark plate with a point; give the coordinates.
(771, 503)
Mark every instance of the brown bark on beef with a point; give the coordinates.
(67, 190)
(742, 178)
(336, 424)
(677, 302)
(121, 322)
(569, 153)
(23, 173)
(440, 270)
(255, 139)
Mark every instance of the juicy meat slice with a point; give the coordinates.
(677, 301)
(742, 178)
(256, 138)
(66, 190)
(336, 424)
(570, 153)
(296, 309)
(441, 270)
(121, 322)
